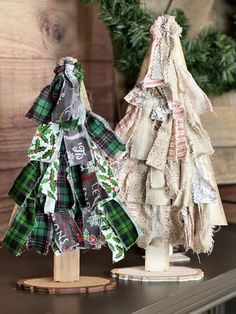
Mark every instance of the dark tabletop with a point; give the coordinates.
(218, 285)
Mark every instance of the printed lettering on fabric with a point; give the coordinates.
(66, 232)
(93, 192)
(46, 143)
(77, 146)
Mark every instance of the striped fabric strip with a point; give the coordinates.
(178, 141)
(126, 126)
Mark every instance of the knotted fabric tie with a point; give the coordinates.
(178, 141)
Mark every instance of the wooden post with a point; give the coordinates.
(67, 266)
(158, 257)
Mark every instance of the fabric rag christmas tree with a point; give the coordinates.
(166, 178)
(67, 193)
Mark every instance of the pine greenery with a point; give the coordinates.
(210, 57)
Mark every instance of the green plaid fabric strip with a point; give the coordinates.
(70, 125)
(75, 174)
(46, 101)
(39, 239)
(21, 228)
(102, 135)
(65, 199)
(120, 222)
(25, 182)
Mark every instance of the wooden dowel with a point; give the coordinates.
(157, 257)
(67, 266)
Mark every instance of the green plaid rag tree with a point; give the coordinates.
(67, 193)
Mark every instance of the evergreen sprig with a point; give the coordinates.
(210, 57)
(129, 27)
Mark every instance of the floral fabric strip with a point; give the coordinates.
(48, 186)
(112, 239)
(203, 190)
(91, 228)
(105, 174)
(46, 143)
(159, 150)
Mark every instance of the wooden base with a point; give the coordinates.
(86, 284)
(175, 273)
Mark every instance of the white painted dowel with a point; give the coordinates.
(157, 257)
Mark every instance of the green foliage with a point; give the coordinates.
(210, 57)
(129, 28)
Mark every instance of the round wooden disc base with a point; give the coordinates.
(175, 273)
(86, 284)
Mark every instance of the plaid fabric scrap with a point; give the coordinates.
(21, 227)
(120, 222)
(46, 101)
(65, 199)
(39, 239)
(102, 135)
(75, 173)
(25, 182)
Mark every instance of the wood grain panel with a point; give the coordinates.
(99, 83)
(20, 83)
(51, 29)
(221, 126)
(22, 80)
(226, 99)
(224, 161)
(228, 192)
(14, 143)
(7, 178)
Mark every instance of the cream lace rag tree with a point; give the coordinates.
(166, 178)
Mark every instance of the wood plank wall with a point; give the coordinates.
(34, 34)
